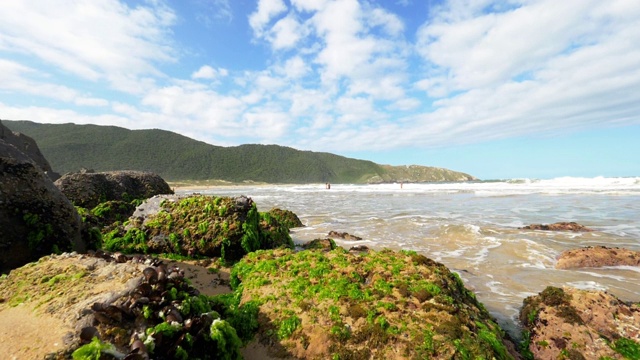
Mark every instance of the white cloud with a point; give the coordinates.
(214, 11)
(267, 10)
(95, 40)
(266, 124)
(286, 33)
(18, 78)
(209, 73)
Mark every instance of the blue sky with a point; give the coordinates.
(498, 89)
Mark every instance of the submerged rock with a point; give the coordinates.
(597, 256)
(382, 305)
(343, 235)
(578, 324)
(36, 219)
(87, 189)
(559, 226)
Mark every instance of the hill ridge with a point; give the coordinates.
(70, 147)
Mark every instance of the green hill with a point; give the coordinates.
(70, 147)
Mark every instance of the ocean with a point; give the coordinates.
(473, 229)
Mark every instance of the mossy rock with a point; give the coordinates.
(286, 217)
(320, 244)
(567, 323)
(385, 304)
(201, 225)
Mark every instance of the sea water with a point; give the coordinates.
(474, 229)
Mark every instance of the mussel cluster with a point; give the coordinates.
(164, 317)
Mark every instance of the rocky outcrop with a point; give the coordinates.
(380, 305)
(36, 219)
(88, 189)
(117, 305)
(577, 324)
(597, 256)
(198, 225)
(343, 235)
(559, 226)
(27, 146)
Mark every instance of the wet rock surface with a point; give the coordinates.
(578, 324)
(36, 219)
(597, 256)
(88, 189)
(559, 226)
(343, 235)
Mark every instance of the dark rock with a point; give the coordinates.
(36, 219)
(598, 256)
(578, 324)
(90, 189)
(343, 235)
(359, 249)
(27, 146)
(559, 226)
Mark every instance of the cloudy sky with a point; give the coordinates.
(498, 89)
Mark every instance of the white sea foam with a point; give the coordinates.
(587, 285)
(474, 227)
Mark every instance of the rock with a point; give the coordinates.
(559, 226)
(323, 305)
(198, 225)
(359, 249)
(286, 218)
(88, 189)
(579, 324)
(597, 256)
(36, 219)
(320, 244)
(343, 235)
(27, 146)
(136, 306)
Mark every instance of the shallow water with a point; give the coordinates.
(472, 228)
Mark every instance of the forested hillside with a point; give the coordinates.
(70, 147)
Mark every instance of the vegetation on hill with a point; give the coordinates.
(70, 147)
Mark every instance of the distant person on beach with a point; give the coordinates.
(400, 184)
(327, 186)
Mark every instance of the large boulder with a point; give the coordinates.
(380, 305)
(88, 189)
(198, 225)
(27, 146)
(597, 256)
(566, 323)
(36, 219)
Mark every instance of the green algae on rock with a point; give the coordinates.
(386, 304)
(201, 225)
(567, 323)
(286, 217)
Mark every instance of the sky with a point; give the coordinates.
(496, 89)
